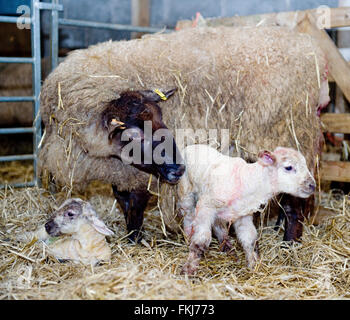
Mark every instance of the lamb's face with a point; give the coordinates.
(139, 137)
(65, 219)
(293, 174)
(69, 217)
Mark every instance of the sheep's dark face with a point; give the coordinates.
(139, 136)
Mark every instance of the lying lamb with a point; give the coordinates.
(86, 243)
(218, 189)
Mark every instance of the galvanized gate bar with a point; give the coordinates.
(13, 19)
(36, 76)
(16, 60)
(20, 185)
(49, 6)
(54, 39)
(110, 26)
(16, 99)
(17, 157)
(16, 130)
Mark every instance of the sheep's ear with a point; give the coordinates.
(266, 158)
(158, 95)
(114, 126)
(100, 226)
(110, 122)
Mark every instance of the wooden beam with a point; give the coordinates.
(140, 15)
(338, 66)
(304, 21)
(336, 122)
(339, 17)
(330, 78)
(335, 171)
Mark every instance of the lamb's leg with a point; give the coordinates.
(247, 236)
(200, 236)
(220, 230)
(294, 212)
(133, 204)
(186, 204)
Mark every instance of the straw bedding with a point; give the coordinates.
(318, 268)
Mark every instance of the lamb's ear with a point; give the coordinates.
(100, 226)
(91, 215)
(266, 158)
(158, 95)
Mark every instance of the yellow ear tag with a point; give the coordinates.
(116, 122)
(161, 94)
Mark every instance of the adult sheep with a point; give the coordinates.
(263, 84)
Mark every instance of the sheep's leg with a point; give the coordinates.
(133, 204)
(294, 212)
(52, 184)
(247, 236)
(200, 236)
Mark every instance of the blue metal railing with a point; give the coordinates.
(35, 60)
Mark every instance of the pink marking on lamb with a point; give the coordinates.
(324, 98)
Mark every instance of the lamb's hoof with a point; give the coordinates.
(188, 269)
(252, 262)
(226, 246)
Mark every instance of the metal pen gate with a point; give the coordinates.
(35, 60)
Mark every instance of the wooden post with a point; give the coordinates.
(140, 15)
(338, 67)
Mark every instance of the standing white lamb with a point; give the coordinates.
(217, 189)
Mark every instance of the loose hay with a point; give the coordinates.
(15, 171)
(317, 268)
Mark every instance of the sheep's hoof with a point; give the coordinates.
(135, 236)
